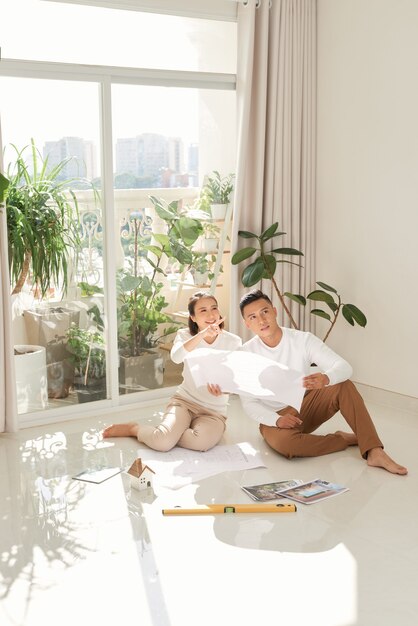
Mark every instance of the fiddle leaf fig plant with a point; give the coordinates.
(264, 266)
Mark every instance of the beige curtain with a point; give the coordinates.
(275, 181)
(8, 416)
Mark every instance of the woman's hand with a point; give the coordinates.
(215, 390)
(212, 330)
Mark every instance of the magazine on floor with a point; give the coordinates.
(297, 490)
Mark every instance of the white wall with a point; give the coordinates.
(367, 182)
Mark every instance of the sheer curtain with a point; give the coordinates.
(275, 182)
(8, 416)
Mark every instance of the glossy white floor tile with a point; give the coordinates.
(75, 553)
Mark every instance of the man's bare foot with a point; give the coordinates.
(350, 438)
(377, 457)
(130, 429)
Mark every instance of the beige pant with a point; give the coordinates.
(319, 406)
(185, 424)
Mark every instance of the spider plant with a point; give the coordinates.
(42, 221)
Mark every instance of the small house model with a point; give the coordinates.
(141, 475)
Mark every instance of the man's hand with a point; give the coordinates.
(315, 381)
(287, 420)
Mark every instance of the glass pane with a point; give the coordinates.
(55, 231)
(166, 141)
(100, 36)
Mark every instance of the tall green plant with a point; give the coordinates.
(140, 301)
(265, 265)
(42, 221)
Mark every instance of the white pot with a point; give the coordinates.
(218, 211)
(31, 378)
(210, 245)
(200, 278)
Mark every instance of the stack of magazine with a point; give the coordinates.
(297, 490)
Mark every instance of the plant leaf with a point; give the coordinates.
(269, 232)
(327, 287)
(242, 254)
(246, 234)
(253, 273)
(296, 297)
(270, 264)
(321, 313)
(320, 296)
(355, 313)
(291, 251)
(347, 315)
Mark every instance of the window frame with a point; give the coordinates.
(105, 77)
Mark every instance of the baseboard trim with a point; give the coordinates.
(388, 398)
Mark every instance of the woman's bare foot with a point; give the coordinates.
(130, 429)
(350, 438)
(377, 457)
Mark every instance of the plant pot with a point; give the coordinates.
(201, 278)
(31, 378)
(94, 390)
(139, 373)
(46, 326)
(218, 211)
(210, 245)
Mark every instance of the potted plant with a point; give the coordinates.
(42, 222)
(142, 322)
(210, 238)
(88, 357)
(43, 241)
(265, 265)
(218, 191)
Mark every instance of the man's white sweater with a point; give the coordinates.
(298, 350)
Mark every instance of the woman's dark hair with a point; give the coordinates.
(252, 296)
(193, 327)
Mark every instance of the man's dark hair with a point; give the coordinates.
(252, 296)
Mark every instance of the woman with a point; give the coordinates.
(194, 418)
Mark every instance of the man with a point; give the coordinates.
(327, 392)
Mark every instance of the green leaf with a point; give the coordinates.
(327, 287)
(269, 232)
(253, 273)
(347, 315)
(162, 239)
(246, 234)
(291, 251)
(242, 254)
(296, 297)
(333, 306)
(320, 313)
(154, 249)
(130, 283)
(189, 229)
(355, 314)
(270, 264)
(320, 296)
(4, 183)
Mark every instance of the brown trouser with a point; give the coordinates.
(319, 406)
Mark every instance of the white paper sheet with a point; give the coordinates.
(179, 466)
(246, 374)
